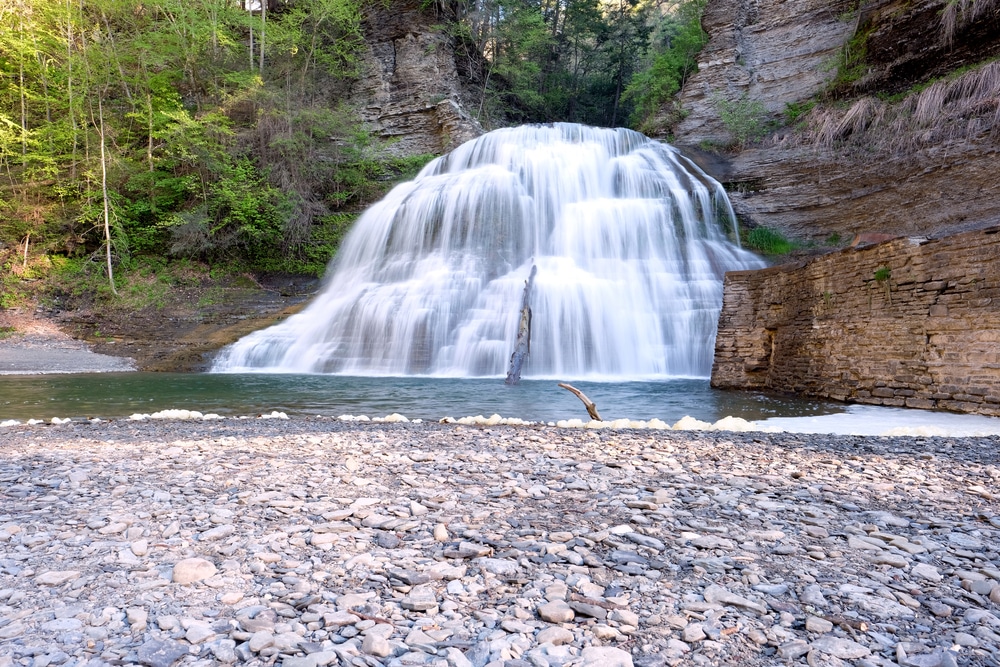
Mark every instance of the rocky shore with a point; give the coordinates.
(32, 345)
(316, 542)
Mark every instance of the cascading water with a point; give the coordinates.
(630, 241)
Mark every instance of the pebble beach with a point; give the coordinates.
(316, 542)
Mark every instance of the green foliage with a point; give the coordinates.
(190, 111)
(883, 273)
(672, 60)
(795, 110)
(767, 241)
(850, 64)
(745, 119)
(558, 61)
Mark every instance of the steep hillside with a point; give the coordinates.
(885, 118)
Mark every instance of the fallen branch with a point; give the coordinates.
(589, 404)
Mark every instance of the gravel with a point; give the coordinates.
(311, 542)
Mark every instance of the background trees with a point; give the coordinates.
(210, 129)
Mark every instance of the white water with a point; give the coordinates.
(630, 241)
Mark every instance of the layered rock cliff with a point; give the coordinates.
(416, 85)
(772, 51)
(868, 157)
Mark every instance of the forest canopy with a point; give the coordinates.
(210, 129)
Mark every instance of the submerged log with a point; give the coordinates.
(587, 403)
(523, 346)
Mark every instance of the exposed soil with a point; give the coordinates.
(180, 334)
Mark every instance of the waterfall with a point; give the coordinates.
(630, 238)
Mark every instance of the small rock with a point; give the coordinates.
(840, 648)
(376, 645)
(554, 635)
(818, 625)
(57, 578)
(161, 653)
(556, 611)
(693, 633)
(716, 593)
(137, 618)
(190, 570)
(605, 656)
(926, 571)
(794, 649)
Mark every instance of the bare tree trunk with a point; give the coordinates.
(27, 238)
(69, 83)
(523, 346)
(263, 28)
(114, 52)
(24, 104)
(104, 190)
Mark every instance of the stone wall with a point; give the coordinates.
(909, 322)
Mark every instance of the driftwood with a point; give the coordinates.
(523, 346)
(589, 404)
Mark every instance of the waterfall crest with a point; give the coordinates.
(629, 237)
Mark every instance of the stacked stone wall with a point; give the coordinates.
(909, 322)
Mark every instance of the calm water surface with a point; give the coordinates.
(111, 395)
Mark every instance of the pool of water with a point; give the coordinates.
(115, 395)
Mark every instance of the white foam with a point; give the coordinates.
(9, 422)
(688, 423)
(187, 415)
(394, 418)
(274, 415)
(57, 420)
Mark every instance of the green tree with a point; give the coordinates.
(672, 58)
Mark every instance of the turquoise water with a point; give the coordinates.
(113, 395)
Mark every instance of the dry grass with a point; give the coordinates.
(963, 107)
(960, 13)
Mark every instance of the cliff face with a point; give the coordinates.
(907, 42)
(810, 194)
(920, 166)
(416, 87)
(774, 51)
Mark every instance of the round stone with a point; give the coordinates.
(190, 570)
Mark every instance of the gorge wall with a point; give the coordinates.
(862, 160)
(416, 87)
(910, 322)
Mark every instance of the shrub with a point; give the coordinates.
(744, 118)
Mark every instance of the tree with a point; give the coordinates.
(672, 58)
